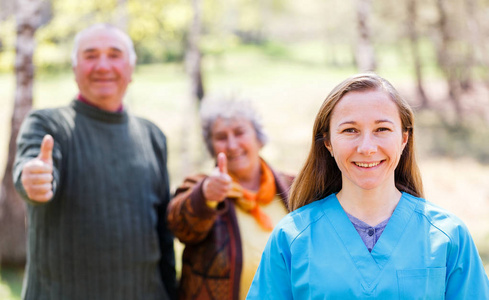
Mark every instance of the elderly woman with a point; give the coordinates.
(359, 227)
(225, 218)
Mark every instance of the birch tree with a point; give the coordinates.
(445, 59)
(413, 40)
(365, 55)
(193, 66)
(12, 207)
(122, 15)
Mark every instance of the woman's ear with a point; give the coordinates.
(327, 144)
(405, 139)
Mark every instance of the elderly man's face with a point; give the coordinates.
(103, 70)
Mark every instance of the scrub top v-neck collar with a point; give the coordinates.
(370, 264)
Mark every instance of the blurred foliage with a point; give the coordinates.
(443, 137)
(159, 30)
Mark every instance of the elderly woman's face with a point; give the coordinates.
(237, 139)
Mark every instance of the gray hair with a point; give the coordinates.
(228, 108)
(125, 39)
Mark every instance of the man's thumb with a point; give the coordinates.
(46, 154)
(222, 163)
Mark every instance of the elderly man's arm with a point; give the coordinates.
(37, 161)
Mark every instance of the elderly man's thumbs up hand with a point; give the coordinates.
(37, 174)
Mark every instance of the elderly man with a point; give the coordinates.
(96, 185)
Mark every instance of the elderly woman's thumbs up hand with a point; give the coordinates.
(219, 183)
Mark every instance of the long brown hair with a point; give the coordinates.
(320, 176)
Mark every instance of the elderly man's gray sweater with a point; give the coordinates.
(103, 235)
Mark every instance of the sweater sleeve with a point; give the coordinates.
(189, 217)
(165, 236)
(33, 129)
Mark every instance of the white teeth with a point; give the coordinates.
(370, 165)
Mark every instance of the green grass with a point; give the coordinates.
(11, 283)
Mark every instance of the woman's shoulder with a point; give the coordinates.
(438, 217)
(301, 220)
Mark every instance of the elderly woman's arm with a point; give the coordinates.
(189, 217)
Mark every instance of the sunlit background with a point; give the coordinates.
(285, 56)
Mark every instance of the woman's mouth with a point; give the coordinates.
(367, 165)
(234, 157)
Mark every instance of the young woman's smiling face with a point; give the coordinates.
(366, 139)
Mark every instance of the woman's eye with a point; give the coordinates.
(383, 129)
(349, 130)
(220, 137)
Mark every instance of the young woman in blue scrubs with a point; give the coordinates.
(359, 227)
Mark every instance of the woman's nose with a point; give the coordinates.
(232, 142)
(367, 145)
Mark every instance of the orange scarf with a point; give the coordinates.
(250, 201)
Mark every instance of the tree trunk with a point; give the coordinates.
(413, 40)
(476, 41)
(446, 60)
(193, 59)
(365, 55)
(193, 66)
(467, 64)
(122, 15)
(12, 207)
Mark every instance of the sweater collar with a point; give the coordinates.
(84, 100)
(99, 114)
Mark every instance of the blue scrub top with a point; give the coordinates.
(424, 252)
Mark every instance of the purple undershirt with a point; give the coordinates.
(370, 235)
